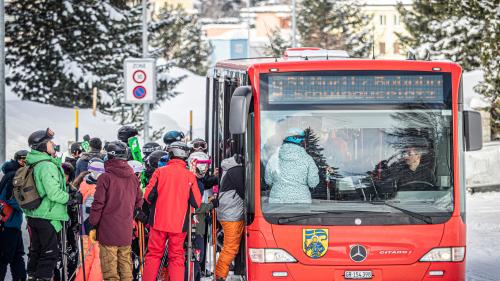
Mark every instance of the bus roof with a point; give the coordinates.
(266, 63)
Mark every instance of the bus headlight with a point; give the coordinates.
(451, 254)
(264, 255)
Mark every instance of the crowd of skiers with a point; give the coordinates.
(115, 212)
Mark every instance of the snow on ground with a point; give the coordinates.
(483, 233)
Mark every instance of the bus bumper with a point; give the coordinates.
(421, 271)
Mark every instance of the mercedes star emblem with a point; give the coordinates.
(358, 253)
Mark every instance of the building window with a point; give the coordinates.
(382, 19)
(381, 48)
(396, 48)
(284, 23)
(396, 20)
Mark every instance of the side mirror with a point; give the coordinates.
(238, 111)
(473, 131)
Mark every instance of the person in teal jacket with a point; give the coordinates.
(291, 172)
(47, 220)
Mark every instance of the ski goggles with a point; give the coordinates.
(208, 162)
(200, 145)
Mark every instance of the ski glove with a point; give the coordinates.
(140, 216)
(75, 198)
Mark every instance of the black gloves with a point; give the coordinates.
(140, 216)
(75, 198)
(215, 202)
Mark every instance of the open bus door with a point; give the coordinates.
(223, 144)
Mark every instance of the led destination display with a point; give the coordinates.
(293, 88)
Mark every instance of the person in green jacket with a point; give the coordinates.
(47, 220)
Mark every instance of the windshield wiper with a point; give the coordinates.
(424, 218)
(283, 220)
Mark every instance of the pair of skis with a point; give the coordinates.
(190, 256)
(64, 248)
(135, 150)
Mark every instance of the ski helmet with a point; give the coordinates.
(20, 155)
(198, 162)
(96, 168)
(149, 148)
(163, 161)
(76, 147)
(38, 140)
(295, 136)
(198, 145)
(179, 150)
(154, 158)
(117, 149)
(172, 136)
(137, 166)
(126, 132)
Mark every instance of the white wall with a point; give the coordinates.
(482, 168)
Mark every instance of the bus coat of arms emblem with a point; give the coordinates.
(315, 242)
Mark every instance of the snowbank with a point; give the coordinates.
(483, 228)
(481, 167)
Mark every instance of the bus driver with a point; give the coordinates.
(415, 175)
(291, 171)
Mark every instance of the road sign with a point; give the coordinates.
(139, 92)
(140, 80)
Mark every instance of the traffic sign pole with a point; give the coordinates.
(145, 55)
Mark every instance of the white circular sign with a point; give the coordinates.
(139, 76)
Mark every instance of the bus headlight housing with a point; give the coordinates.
(265, 255)
(449, 254)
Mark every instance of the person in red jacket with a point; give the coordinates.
(174, 188)
(118, 193)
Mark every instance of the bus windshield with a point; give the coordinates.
(384, 163)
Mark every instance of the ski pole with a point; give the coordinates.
(190, 244)
(64, 254)
(214, 240)
(81, 248)
(163, 261)
(141, 245)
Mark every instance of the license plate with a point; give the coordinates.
(358, 275)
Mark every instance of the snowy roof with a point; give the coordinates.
(232, 34)
(267, 9)
(386, 2)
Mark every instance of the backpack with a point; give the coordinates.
(24, 187)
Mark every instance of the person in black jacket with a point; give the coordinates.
(11, 240)
(95, 152)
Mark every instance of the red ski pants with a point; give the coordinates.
(156, 248)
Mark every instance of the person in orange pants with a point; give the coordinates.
(230, 212)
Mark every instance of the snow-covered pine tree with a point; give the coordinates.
(220, 8)
(277, 44)
(316, 152)
(464, 31)
(178, 38)
(444, 29)
(334, 25)
(58, 50)
(489, 55)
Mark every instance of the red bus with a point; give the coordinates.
(380, 194)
